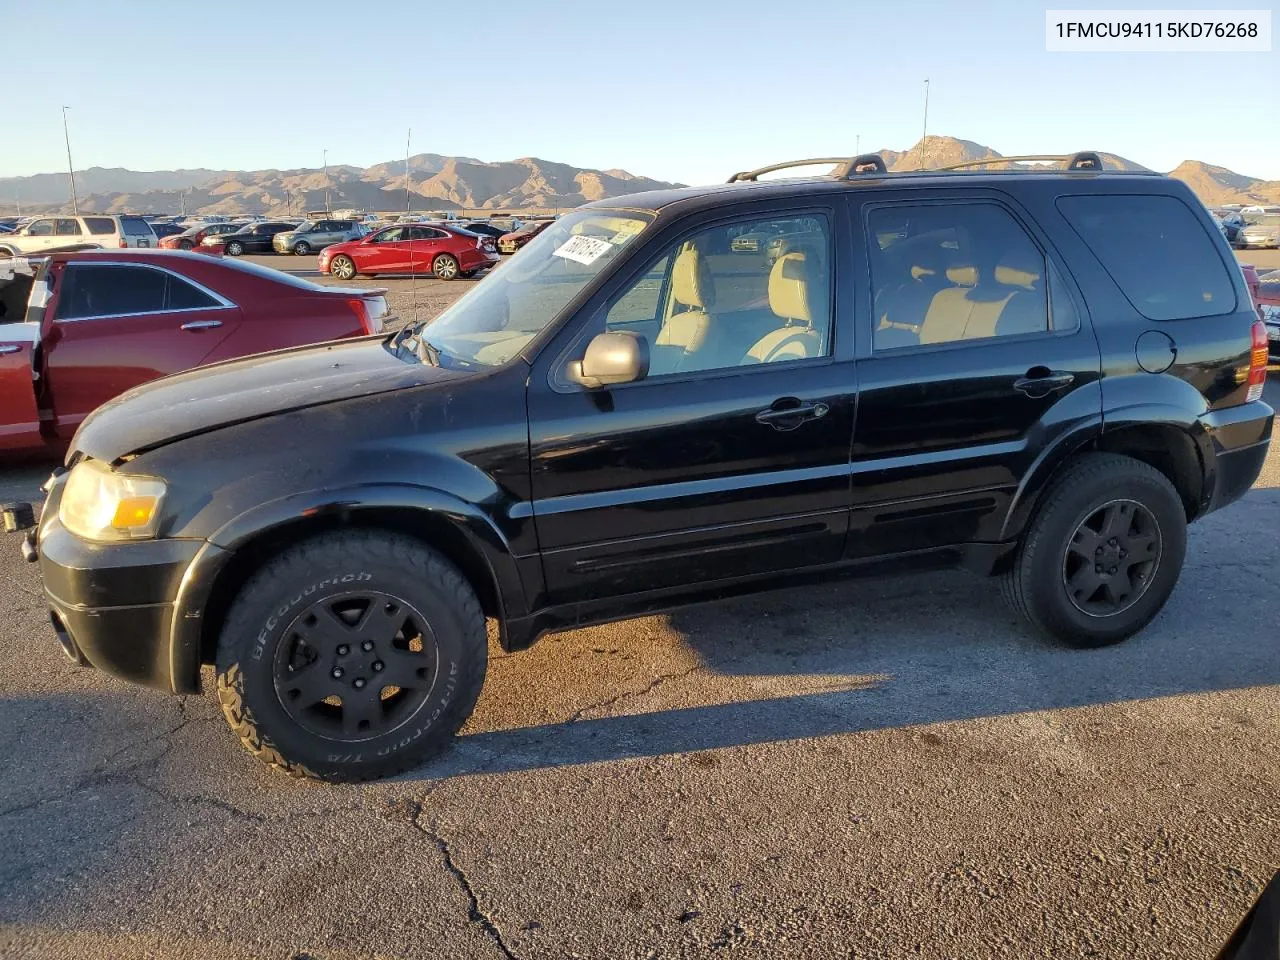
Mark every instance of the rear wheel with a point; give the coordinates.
(235, 248)
(1102, 553)
(342, 267)
(302, 248)
(352, 656)
(445, 267)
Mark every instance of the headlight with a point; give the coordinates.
(100, 504)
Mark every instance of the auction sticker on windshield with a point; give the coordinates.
(583, 249)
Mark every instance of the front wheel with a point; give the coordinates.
(1102, 553)
(342, 267)
(445, 267)
(302, 248)
(235, 248)
(185, 244)
(352, 656)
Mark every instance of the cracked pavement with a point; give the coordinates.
(885, 768)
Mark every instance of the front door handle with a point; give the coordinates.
(1041, 381)
(201, 324)
(787, 413)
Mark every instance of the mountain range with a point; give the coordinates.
(436, 182)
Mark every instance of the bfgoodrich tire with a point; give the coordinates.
(351, 656)
(1102, 552)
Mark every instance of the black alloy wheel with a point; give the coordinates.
(356, 666)
(1112, 558)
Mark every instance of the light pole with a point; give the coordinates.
(925, 133)
(326, 183)
(75, 206)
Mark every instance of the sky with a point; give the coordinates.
(687, 91)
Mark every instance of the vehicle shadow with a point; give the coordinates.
(869, 655)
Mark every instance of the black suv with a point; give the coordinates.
(1039, 375)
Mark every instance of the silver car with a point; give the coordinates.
(313, 235)
(1262, 232)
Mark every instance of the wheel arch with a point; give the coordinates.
(1166, 438)
(458, 532)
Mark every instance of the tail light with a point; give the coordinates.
(370, 311)
(1257, 362)
(123, 242)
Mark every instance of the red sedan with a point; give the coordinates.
(77, 329)
(191, 237)
(445, 252)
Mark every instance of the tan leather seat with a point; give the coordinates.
(692, 289)
(798, 295)
(967, 310)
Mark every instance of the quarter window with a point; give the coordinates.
(99, 226)
(945, 273)
(753, 292)
(1157, 251)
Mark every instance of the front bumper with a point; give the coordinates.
(1237, 440)
(112, 604)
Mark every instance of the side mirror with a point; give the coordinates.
(611, 358)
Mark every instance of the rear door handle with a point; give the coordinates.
(787, 413)
(201, 324)
(1040, 382)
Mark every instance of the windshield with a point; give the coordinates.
(499, 316)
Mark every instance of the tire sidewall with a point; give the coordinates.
(1045, 591)
(269, 607)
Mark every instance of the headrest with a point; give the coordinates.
(1011, 276)
(791, 294)
(966, 276)
(691, 281)
(1019, 266)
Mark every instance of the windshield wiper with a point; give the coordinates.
(410, 338)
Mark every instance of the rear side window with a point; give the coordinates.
(945, 273)
(99, 226)
(135, 227)
(1157, 251)
(68, 227)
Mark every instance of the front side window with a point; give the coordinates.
(714, 301)
(1157, 251)
(951, 272)
(67, 227)
(41, 228)
(390, 235)
(93, 290)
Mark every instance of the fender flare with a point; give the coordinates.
(1055, 455)
(197, 585)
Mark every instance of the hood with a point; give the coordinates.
(236, 391)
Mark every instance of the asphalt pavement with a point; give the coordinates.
(888, 768)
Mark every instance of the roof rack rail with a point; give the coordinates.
(1084, 160)
(748, 176)
(847, 168)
